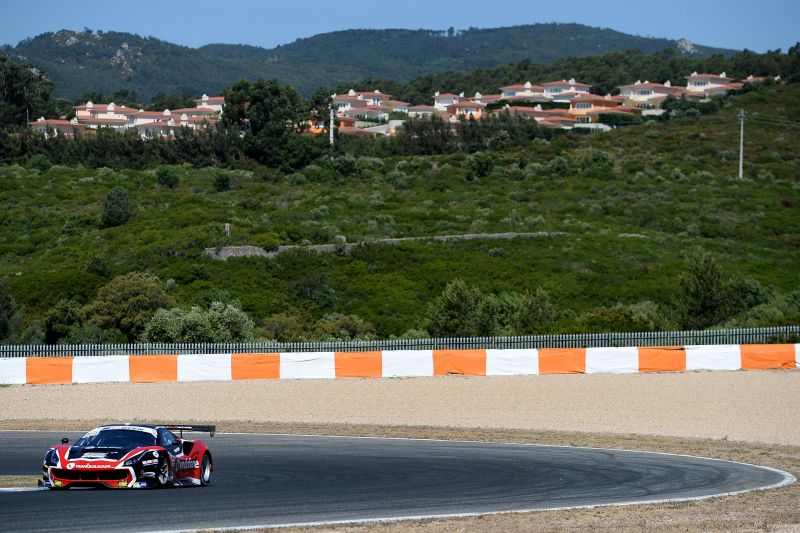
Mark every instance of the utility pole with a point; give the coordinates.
(330, 126)
(741, 143)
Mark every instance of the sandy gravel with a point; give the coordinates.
(752, 406)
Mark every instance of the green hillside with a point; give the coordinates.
(81, 62)
(631, 206)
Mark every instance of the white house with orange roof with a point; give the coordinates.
(523, 90)
(486, 99)
(57, 128)
(442, 101)
(648, 96)
(582, 106)
(466, 109)
(421, 111)
(212, 102)
(555, 88)
(709, 84)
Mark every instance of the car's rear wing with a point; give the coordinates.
(186, 427)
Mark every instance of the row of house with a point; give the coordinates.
(376, 113)
(91, 116)
(360, 110)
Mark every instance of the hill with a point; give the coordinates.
(624, 210)
(80, 62)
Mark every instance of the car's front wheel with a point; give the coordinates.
(205, 470)
(162, 473)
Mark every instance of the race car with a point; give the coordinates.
(130, 456)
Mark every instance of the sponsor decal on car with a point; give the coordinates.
(123, 483)
(150, 462)
(70, 466)
(186, 464)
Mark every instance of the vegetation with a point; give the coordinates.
(626, 213)
(79, 62)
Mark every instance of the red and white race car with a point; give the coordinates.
(130, 456)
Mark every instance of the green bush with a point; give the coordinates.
(219, 323)
(39, 162)
(127, 303)
(167, 177)
(117, 208)
(222, 182)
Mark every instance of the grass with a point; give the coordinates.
(673, 185)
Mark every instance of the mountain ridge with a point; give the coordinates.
(80, 62)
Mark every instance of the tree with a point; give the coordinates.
(61, 319)
(167, 177)
(117, 208)
(8, 308)
(462, 311)
(24, 93)
(704, 293)
(219, 323)
(127, 303)
(337, 326)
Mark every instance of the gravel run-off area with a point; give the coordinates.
(745, 416)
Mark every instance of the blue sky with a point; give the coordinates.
(760, 26)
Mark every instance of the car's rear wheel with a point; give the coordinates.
(205, 470)
(162, 473)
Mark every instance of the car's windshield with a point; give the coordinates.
(126, 439)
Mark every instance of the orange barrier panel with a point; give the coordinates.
(153, 368)
(662, 359)
(562, 361)
(255, 366)
(359, 364)
(764, 356)
(48, 370)
(463, 362)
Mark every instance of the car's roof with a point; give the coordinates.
(123, 425)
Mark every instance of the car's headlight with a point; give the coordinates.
(132, 461)
(51, 457)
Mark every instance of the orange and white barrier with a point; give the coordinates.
(394, 363)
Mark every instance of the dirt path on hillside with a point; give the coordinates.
(757, 406)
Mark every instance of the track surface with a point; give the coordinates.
(272, 479)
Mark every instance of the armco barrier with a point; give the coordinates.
(394, 363)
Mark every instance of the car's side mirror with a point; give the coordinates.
(65, 440)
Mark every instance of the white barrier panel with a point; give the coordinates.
(714, 357)
(512, 362)
(407, 363)
(204, 367)
(621, 360)
(797, 355)
(13, 370)
(308, 365)
(99, 369)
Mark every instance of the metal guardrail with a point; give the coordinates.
(771, 335)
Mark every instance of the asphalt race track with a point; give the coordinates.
(273, 479)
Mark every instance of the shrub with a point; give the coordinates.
(167, 177)
(219, 323)
(462, 311)
(346, 165)
(127, 303)
(117, 208)
(39, 162)
(222, 182)
(480, 164)
(97, 266)
(316, 288)
(343, 327)
(8, 308)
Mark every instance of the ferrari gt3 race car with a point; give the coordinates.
(130, 456)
